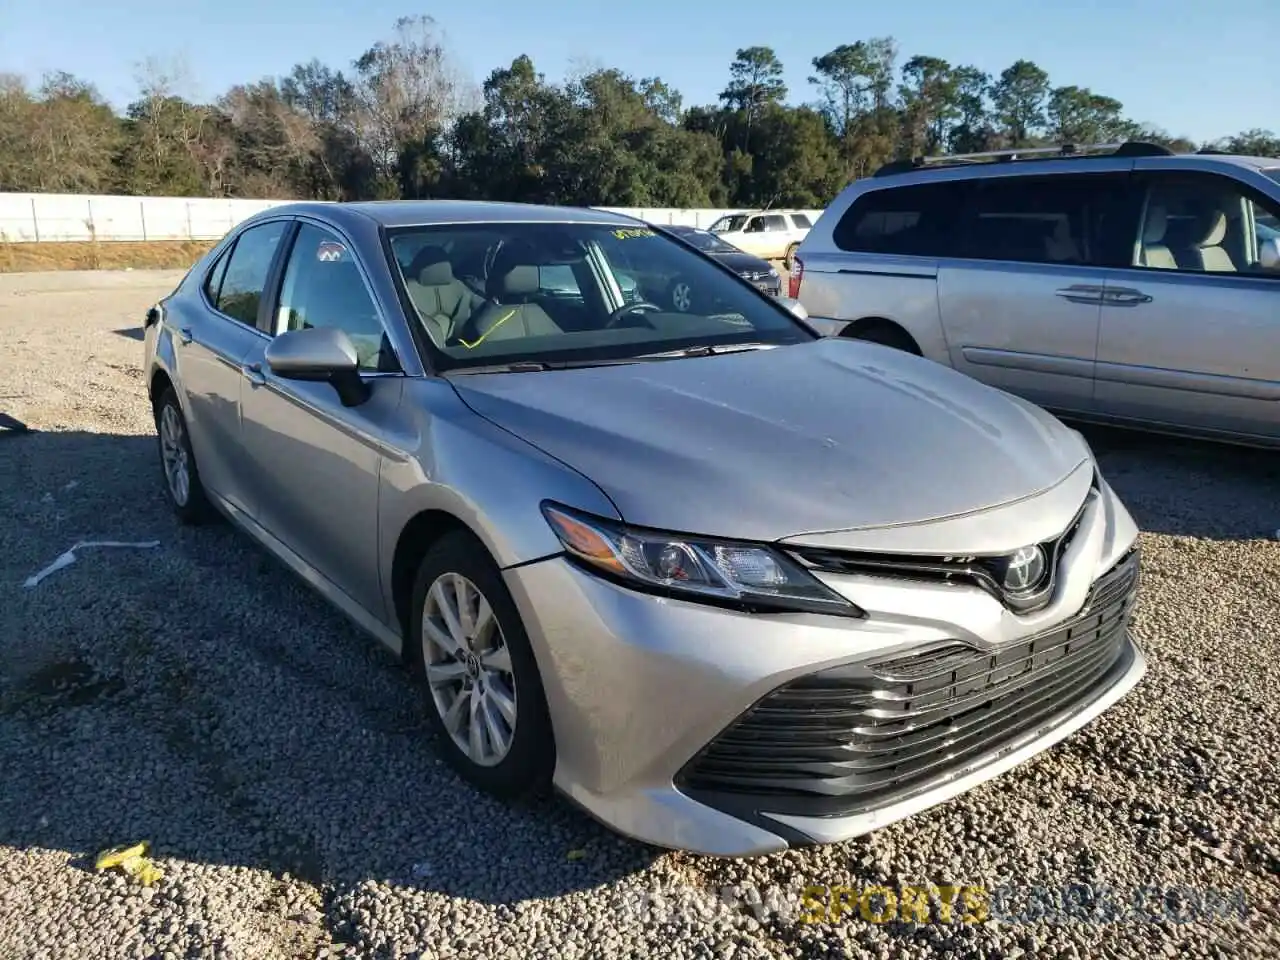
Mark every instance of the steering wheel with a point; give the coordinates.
(615, 318)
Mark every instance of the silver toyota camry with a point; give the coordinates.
(728, 586)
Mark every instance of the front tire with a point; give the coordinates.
(182, 485)
(483, 690)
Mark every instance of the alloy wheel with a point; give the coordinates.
(681, 297)
(173, 452)
(468, 668)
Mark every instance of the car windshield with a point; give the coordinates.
(729, 223)
(709, 242)
(501, 293)
(1273, 173)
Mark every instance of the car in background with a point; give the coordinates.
(761, 273)
(768, 234)
(1127, 285)
(575, 517)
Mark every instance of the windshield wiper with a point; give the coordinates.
(704, 351)
(536, 366)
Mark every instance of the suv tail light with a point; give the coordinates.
(793, 281)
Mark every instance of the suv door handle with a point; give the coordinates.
(253, 373)
(185, 335)
(1125, 296)
(1081, 293)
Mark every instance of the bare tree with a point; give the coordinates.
(409, 90)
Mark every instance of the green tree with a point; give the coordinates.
(974, 132)
(1019, 98)
(1251, 143)
(930, 104)
(1078, 115)
(62, 140)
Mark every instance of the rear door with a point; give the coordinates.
(212, 340)
(1190, 331)
(1021, 292)
(879, 260)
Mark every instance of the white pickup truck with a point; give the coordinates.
(768, 234)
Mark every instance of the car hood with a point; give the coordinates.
(743, 262)
(763, 445)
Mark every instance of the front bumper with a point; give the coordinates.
(643, 690)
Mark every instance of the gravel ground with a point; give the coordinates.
(197, 696)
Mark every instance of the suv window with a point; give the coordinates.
(323, 288)
(240, 287)
(1202, 223)
(914, 220)
(774, 222)
(1055, 219)
(801, 221)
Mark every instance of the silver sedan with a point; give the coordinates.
(727, 585)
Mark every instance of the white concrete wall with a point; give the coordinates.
(29, 217)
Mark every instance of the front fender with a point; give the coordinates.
(479, 473)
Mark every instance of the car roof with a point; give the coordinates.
(1055, 165)
(406, 213)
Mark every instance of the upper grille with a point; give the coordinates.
(849, 737)
(983, 572)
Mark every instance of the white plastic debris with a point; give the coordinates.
(68, 558)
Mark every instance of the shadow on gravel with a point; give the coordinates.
(132, 333)
(201, 697)
(1191, 488)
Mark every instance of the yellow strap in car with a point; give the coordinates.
(480, 339)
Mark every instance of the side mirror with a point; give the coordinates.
(795, 306)
(1269, 254)
(319, 354)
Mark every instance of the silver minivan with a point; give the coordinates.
(1123, 284)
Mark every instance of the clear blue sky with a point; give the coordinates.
(1187, 65)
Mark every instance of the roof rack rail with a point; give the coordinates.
(1128, 148)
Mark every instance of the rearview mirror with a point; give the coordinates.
(320, 354)
(795, 306)
(1269, 254)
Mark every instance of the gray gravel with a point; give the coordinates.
(197, 696)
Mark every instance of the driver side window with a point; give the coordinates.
(323, 287)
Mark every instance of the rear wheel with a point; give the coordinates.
(483, 690)
(790, 257)
(182, 485)
(888, 335)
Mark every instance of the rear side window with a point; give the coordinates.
(245, 275)
(774, 222)
(913, 220)
(213, 282)
(801, 221)
(1056, 220)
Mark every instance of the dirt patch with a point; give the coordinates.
(113, 255)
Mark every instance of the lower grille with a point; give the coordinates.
(852, 736)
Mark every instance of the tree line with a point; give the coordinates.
(402, 121)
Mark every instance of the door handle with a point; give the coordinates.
(253, 373)
(185, 335)
(1125, 297)
(1081, 293)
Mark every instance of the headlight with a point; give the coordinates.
(740, 575)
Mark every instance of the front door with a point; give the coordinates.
(211, 343)
(1190, 333)
(1020, 293)
(314, 463)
